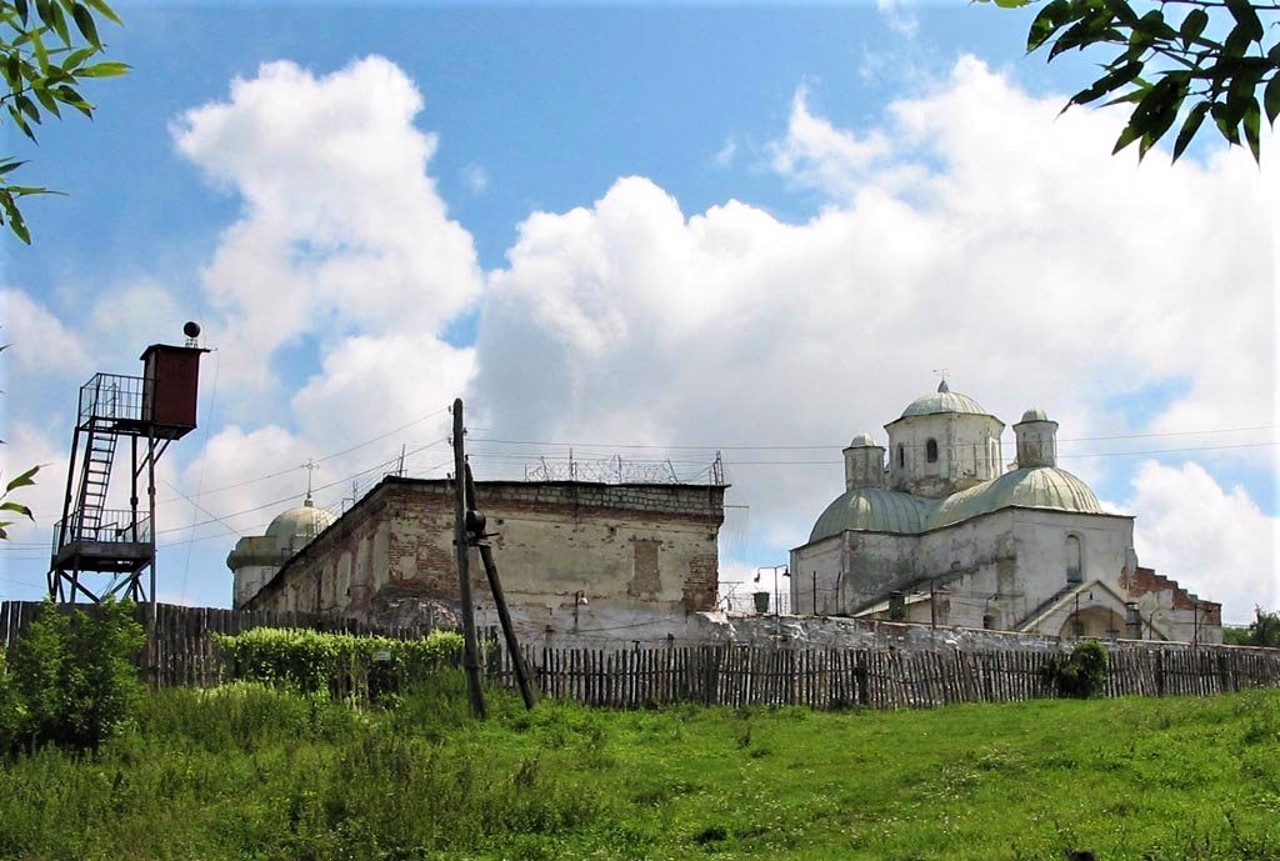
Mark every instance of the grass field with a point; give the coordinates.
(247, 772)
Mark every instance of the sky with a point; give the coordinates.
(654, 233)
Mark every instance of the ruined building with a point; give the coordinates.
(565, 549)
(943, 534)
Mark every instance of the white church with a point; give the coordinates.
(944, 534)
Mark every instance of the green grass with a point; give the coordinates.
(248, 772)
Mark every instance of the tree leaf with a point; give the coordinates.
(104, 70)
(1271, 98)
(59, 24)
(17, 508)
(1193, 25)
(1247, 18)
(85, 24)
(1189, 128)
(1252, 122)
(104, 10)
(25, 480)
(1045, 24)
(50, 104)
(1218, 110)
(1127, 136)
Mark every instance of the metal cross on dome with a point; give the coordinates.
(310, 466)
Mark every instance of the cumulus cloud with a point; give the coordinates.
(1215, 541)
(342, 228)
(475, 178)
(900, 17)
(972, 229)
(38, 342)
(815, 154)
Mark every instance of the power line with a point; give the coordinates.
(658, 447)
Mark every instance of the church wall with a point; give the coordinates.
(977, 563)
(557, 546)
(875, 562)
(1045, 554)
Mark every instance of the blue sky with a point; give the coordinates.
(629, 226)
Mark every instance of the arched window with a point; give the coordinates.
(902, 456)
(931, 451)
(1075, 573)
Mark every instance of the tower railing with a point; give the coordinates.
(108, 399)
(117, 526)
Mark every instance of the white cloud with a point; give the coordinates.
(371, 385)
(900, 17)
(342, 229)
(725, 155)
(476, 179)
(974, 229)
(815, 154)
(1214, 541)
(38, 342)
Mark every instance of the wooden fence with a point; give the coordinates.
(837, 678)
(183, 653)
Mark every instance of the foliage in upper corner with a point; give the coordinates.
(8, 506)
(43, 61)
(1172, 55)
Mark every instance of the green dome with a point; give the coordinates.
(943, 401)
(295, 528)
(1033, 487)
(1035, 414)
(871, 509)
(864, 440)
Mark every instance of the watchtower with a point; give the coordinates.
(100, 552)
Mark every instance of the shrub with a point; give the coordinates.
(74, 682)
(1080, 675)
(344, 665)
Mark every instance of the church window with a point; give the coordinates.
(902, 456)
(931, 451)
(1074, 572)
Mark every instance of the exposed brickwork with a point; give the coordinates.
(1143, 581)
(702, 583)
(651, 544)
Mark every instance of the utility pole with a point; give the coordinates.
(462, 551)
(475, 523)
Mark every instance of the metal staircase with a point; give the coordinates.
(100, 452)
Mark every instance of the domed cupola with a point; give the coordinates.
(943, 401)
(943, 442)
(294, 529)
(1037, 439)
(863, 463)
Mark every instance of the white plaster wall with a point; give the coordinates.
(968, 452)
(1105, 543)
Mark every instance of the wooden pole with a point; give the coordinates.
(500, 601)
(470, 658)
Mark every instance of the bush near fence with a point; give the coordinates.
(365, 668)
